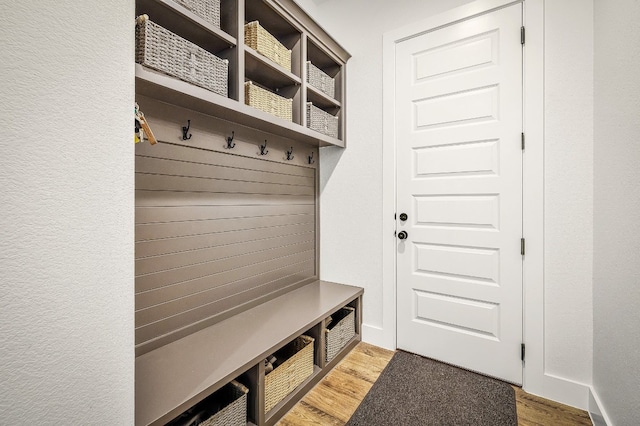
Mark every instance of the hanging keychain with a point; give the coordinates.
(142, 128)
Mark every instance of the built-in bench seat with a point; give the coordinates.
(174, 377)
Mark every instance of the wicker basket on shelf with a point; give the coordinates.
(260, 40)
(209, 10)
(226, 407)
(160, 49)
(320, 80)
(267, 101)
(321, 121)
(296, 368)
(342, 330)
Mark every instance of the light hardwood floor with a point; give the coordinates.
(333, 400)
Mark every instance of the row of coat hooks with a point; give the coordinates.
(231, 144)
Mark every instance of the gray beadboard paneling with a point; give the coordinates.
(194, 242)
(153, 182)
(203, 156)
(194, 316)
(156, 264)
(162, 198)
(148, 215)
(216, 232)
(173, 307)
(172, 277)
(191, 168)
(175, 229)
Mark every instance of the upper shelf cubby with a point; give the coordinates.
(276, 23)
(180, 20)
(263, 70)
(333, 70)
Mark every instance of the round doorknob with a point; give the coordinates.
(403, 235)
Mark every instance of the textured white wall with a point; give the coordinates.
(351, 179)
(568, 186)
(616, 296)
(66, 213)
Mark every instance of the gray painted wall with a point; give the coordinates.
(66, 213)
(616, 287)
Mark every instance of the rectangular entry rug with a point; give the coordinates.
(416, 391)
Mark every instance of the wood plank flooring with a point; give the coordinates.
(332, 401)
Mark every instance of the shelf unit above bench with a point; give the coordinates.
(292, 27)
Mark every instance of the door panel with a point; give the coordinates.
(459, 179)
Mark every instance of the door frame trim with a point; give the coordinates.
(533, 179)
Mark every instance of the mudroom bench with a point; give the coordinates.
(176, 376)
(235, 99)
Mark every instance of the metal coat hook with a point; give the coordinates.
(290, 154)
(230, 143)
(185, 131)
(311, 158)
(263, 148)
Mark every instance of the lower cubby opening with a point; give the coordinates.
(340, 330)
(290, 366)
(225, 407)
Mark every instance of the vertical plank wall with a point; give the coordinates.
(215, 232)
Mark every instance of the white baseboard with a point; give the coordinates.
(596, 410)
(562, 390)
(377, 336)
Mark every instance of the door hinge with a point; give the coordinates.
(521, 35)
(522, 140)
(522, 351)
(522, 246)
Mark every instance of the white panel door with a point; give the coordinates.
(459, 181)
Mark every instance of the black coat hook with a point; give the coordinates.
(290, 154)
(185, 131)
(263, 148)
(311, 158)
(230, 143)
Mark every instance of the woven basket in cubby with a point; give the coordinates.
(209, 10)
(160, 49)
(267, 101)
(260, 40)
(296, 368)
(321, 121)
(341, 331)
(321, 80)
(225, 407)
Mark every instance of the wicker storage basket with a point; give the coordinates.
(226, 407)
(264, 43)
(162, 50)
(209, 10)
(267, 101)
(296, 368)
(343, 328)
(320, 80)
(321, 121)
